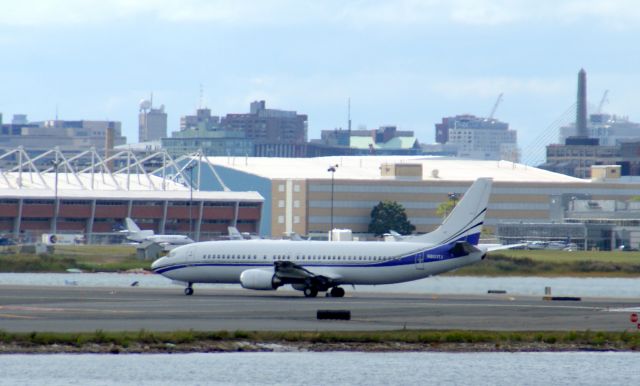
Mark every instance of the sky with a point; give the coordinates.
(406, 62)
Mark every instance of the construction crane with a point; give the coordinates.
(495, 106)
(603, 101)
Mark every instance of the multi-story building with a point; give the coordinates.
(609, 130)
(211, 143)
(479, 138)
(152, 122)
(385, 140)
(576, 159)
(201, 121)
(263, 125)
(68, 136)
(203, 132)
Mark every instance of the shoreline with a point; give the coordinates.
(276, 347)
(184, 342)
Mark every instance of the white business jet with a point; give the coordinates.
(313, 266)
(134, 233)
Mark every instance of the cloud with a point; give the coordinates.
(489, 87)
(484, 12)
(358, 13)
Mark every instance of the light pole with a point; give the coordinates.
(331, 169)
(55, 163)
(190, 169)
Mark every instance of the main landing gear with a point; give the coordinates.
(336, 292)
(189, 290)
(312, 292)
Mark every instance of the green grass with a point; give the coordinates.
(89, 258)
(566, 256)
(555, 263)
(584, 340)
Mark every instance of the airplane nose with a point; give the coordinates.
(157, 264)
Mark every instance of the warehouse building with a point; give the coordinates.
(308, 195)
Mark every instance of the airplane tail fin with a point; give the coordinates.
(234, 233)
(465, 221)
(133, 231)
(131, 225)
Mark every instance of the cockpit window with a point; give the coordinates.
(171, 254)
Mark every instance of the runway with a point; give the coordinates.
(77, 309)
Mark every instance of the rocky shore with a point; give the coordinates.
(247, 346)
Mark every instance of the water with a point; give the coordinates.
(343, 368)
(534, 286)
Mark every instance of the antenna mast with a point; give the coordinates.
(349, 114)
(201, 96)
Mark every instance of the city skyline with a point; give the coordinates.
(405, 63)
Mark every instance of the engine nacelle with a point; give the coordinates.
(259, 279)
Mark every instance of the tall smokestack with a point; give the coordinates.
(581, 108)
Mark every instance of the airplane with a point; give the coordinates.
(134, 233)
(235, 234)
(325, 266)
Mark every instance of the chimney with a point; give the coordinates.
(581, 107)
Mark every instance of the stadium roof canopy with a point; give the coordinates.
(31, 177)
(368, 168)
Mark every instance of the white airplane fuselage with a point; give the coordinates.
(169, 239)
(353, 262)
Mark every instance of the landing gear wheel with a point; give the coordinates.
(189, 290)
(310, 292)
(337, 292)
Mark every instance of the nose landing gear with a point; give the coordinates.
(189, 290)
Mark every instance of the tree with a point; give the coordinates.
(389, 215)
(444, 208)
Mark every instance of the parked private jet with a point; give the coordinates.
(325, 266)
(134, 233)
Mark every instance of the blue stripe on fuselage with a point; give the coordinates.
(439, 253)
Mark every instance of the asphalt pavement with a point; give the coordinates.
(78, 309)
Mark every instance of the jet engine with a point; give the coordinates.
(259, 279)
